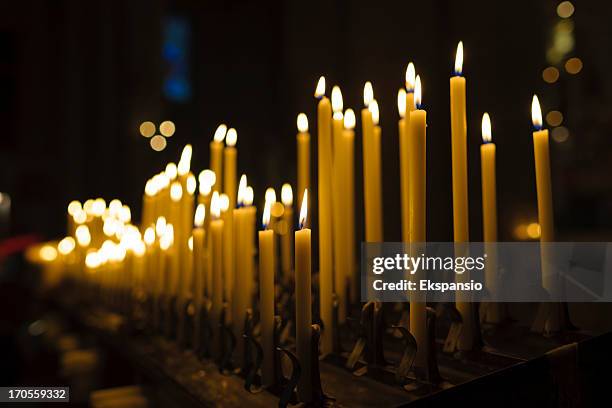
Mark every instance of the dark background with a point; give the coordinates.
(78, 77)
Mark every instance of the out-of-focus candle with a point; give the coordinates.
(198, 255)
(303, 307)
(216, 156)
(240, 293)
(303, 153)
(324, 113)
(489, 216)
(348, 179)
(287, 237)
(417, 154)
(228, 249)
(216, 235)
(266, 298)
(230, 156)
(371, 167)
(404, 110)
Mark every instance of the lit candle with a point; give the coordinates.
(338, 201)
(348, 180)
(176, 193)
(303, 153)
(216, 155)
(151, 260)
(324, 113)
(228, 248)
(417, 154)
(207, 179)
(489, 216)
(405, 106)
(371, 167)
(240, 292)
(216, 236)
(266, 298)
(303, 311)
(467, 337)
(250, 228)
(287, 237)
(198, 255)
(229, 183)
(545, 211)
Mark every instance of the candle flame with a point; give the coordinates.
(164, 180)
(171, 171)
(191, 184)
(149, 236)
(270, 195)
(74, 207)
(47, 253)
(302, 122)
(185, 160)
(220, 133)
(150, 188)
(265, 219)
(160, 226)
(486, 128)
(176, 191)
(167, 239)
(80, 217)
(320, 90)
(459, 59)
(287, 194)
(375, 112)
(368, 94)
(338, 116)
(417, 92)
(231, 138)
(66, 245)
(336, 99)
(138, 248)
(401, 102)
(200, 214)
(82, 235)
(536, 113)
(93, 260)
(349, 119)
(215, 205)
(242, 185)
(207, 179)
(410, 77)
(304, 209)
(249, 194)
(97, 207)
(224, 202)
(190, 243)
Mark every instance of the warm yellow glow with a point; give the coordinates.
(215, 207)
(220, 133)
(166, 240)
(176, 191)
(147, 129)
(171, 171)
(125, 214)
(98, 207)
(114, 206)
(93, 260)
(320, 90)
(149, 236)
(158, 143)
(231, 138)
(110, 227)
(191, 184)
(249, 195)
(349, 119)
(375, 112)
(565, 9)
(190, 243)
(368, 94)
(82, 235)
(459, 59)
(418, 93)
(150, 188)
(74, 207)
(536, 112)
(138, 248)
(207, 179)
(486, 128)
(160, 226)
(573, 65)
(266, 214)
(198, 219)
(47, 253)
(224, 202)
(185, 162)
(550, 75)
(163, 181)
(533, 230)
(302, 122)
(242, 185)
(167, 128)
(270, 195)
(66, 245)
(401, 102)
(87, 205)
(410, 77)
(554, 118)
(338, 115)
(287, 194)
(80, 217)
(304, 209)
(560, 134)
(336, 99)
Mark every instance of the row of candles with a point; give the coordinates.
(180, 251)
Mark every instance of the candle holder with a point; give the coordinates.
(203, 332)
(186, 318)
(253, 356)
(227, 343)
(171, 317)
(402, 372)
